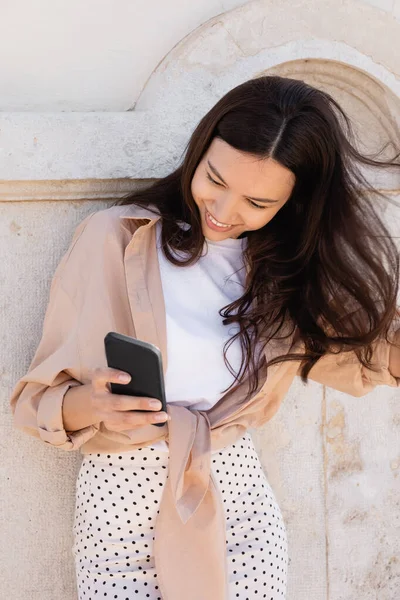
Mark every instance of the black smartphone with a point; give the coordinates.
(143, 362)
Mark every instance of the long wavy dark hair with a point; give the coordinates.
(325, 264)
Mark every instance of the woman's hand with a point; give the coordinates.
(119, 412)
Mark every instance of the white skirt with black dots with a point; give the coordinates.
(117, 500)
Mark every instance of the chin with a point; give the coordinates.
(214, 236)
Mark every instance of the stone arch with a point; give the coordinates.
(266, 37)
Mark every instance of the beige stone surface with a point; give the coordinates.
(361, 439)
(88, 56)
(332, 460)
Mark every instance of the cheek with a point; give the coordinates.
(258, 218)
(198, 188)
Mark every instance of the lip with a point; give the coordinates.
(211, 225)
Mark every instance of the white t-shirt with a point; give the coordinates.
(196, 373)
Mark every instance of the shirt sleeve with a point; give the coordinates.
(36, 401)
(345, 373)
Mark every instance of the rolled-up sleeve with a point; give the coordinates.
(345, 373)
(37, 398)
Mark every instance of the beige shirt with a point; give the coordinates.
(109, 280)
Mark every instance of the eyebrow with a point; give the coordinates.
(265, 200)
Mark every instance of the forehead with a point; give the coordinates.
(247, 174)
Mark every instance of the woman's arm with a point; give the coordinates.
(394, 356)
(345, 373)
(55, 371)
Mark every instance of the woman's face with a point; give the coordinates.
(245, 193)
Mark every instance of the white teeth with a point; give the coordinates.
(216, 222)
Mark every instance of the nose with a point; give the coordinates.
(225, 212)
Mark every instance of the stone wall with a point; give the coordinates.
(333, 460)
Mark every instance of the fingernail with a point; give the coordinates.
(161, 417)
(155, 404)
(124, 378)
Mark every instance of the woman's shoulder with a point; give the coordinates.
(105, 224)
(102, 230)
(99, 241)
(112, 216)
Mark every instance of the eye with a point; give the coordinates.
(256, 205)
(249, 201)
(211, 179)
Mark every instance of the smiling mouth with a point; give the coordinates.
(221, 226)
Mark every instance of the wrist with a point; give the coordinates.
(77, 409)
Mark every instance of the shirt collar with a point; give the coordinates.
(137, 213)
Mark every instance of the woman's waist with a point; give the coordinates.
(149, 456)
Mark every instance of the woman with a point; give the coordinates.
(260, 258)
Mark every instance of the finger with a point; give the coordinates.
(138, 419)
(101, 377)
(119, 402)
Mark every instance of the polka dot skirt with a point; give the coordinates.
(117, 501)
